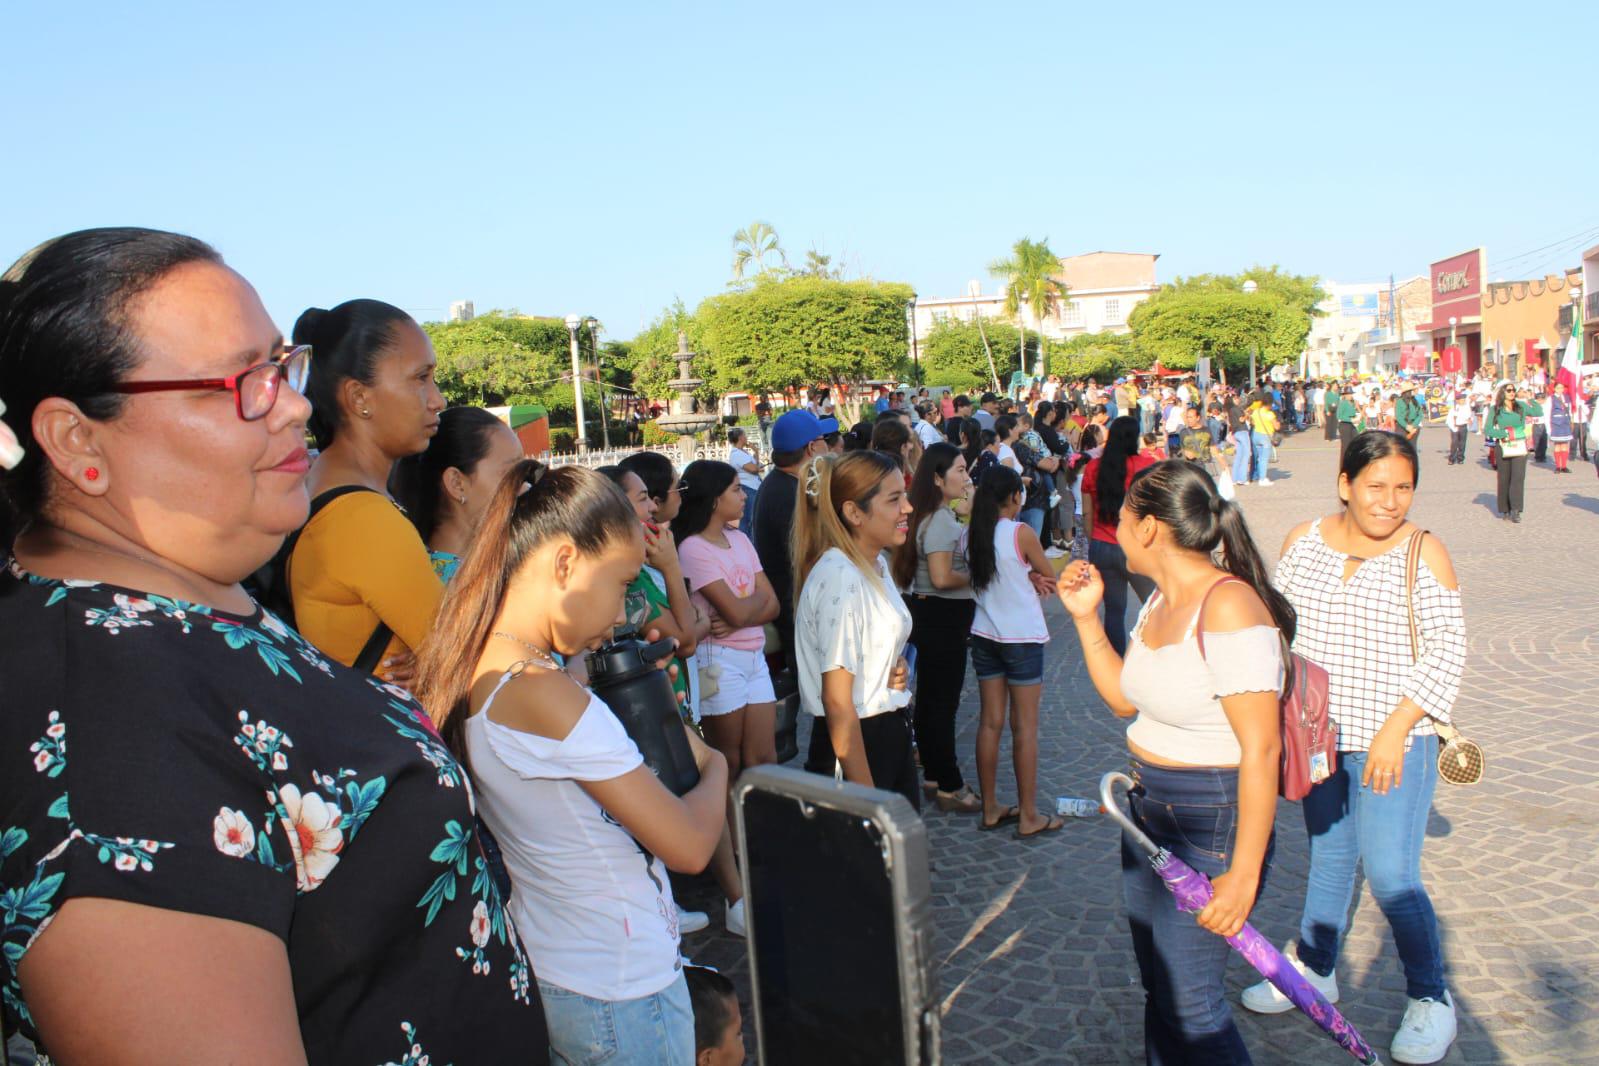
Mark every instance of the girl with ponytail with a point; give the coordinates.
(850, 623)
(1205, 738)
(588, 832)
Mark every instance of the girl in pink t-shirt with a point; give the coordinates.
(737, 704)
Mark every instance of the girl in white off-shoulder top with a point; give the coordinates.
(1205, 739)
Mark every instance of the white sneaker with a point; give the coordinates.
(735, 919)
(1265, 998)
(1426, 1032)
(1053, 552)
(1263, 484)
(691, 921)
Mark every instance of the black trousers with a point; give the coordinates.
(1346, 433)
(1329, 425)
(1512, 482)
(1457, 444)
(887, 739)
(1540, 442)
(940, 629)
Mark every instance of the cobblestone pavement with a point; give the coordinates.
(1036, 963)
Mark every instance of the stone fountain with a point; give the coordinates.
(684, 417)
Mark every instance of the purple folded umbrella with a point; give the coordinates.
(1191, 890)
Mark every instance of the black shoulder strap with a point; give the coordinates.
(318, 502)
(372, 651)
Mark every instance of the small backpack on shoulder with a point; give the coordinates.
(1309, 735)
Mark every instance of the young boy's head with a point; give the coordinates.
(718, 1025)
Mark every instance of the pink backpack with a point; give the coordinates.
(1310, 736)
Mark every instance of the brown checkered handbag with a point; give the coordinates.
(1460, 761)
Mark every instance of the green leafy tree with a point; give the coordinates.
(1211, 314)
(1030, 278)
(752, 246)
(818, 265)
(503, 358)
(953, 353)
(1097, 355)
(799, 330)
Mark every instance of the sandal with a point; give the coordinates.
(962, 801)
(1052, 824)
(1006, 817)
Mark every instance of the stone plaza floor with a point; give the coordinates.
(1036, 965)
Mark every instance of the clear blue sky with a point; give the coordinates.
(597, 158)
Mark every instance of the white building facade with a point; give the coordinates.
(1102, 288)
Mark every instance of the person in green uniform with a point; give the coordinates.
(1508, 427)
(1329, 413)
(1347, 415)
(1409, 415)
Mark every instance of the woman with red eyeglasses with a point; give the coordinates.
(216, 844)
(363, 585)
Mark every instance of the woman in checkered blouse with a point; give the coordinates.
(1345, 575)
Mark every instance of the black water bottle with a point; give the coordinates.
(624, 676)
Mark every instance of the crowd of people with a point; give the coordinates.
(264, 651)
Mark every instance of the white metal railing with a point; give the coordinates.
(597, 457)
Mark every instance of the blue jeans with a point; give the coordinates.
(1033, 518)
(1241, 456)
(746, 525)
(1111, 562)
(653, 1030)
(1193, 813)
(1349, 823)
(1262, 445)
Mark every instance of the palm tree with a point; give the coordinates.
(751, 246)
(1029, 276)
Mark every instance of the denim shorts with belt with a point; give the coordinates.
(1193, 813)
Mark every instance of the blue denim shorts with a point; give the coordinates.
(1018, 664)
(653, 1030)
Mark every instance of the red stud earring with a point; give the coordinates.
(92, 473)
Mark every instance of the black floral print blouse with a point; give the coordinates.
(170, 755)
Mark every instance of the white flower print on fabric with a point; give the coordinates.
(123, 615)
(480, 924)
(50, 750)
(263, 743)
(415, 1056)
(233, 833)
(315, 838)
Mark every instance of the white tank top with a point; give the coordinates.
(1008, 610)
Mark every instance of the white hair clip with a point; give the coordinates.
(813, 481)
(10, 451)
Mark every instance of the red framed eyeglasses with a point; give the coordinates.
(255, 391)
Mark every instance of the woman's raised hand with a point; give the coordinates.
(1080, 589)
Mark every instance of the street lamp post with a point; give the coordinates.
(599, 383)
(916, 362)
(1452, 321)
(572, 322)
(1249, 290)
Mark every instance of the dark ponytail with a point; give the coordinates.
(65, 331)
(348, 341)
(995, 490)
(1181, 496)
(464, 438)
(534, 504)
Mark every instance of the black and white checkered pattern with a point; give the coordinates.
(1360, 633)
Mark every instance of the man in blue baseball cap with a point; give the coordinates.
(796, 437)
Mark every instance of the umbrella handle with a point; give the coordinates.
(1107, 796)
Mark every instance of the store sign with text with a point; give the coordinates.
(1457, 287)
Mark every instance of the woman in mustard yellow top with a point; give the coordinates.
(364, 589)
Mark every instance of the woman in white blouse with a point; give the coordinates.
(1205, 739)
(1345, 575)
(850, 623)
(587, 830)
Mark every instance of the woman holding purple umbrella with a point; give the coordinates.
(1205, 741)
(1346, 575)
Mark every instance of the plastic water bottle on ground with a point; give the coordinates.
(1076, 807)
